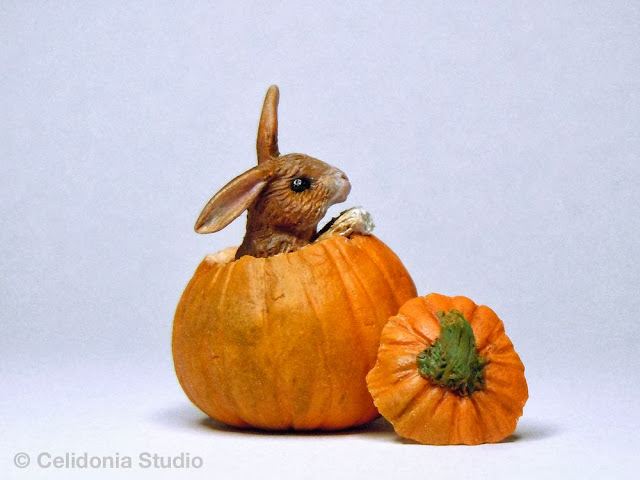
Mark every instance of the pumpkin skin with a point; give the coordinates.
(434, 414)
(285, 342)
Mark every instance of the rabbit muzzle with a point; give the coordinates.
(339, 185)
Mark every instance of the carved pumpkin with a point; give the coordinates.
(447, 373)
(285, 342)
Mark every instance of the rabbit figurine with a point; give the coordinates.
(285, 342)
(285, 196)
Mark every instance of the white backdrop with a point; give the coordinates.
(496, 147)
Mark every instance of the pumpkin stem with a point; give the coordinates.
(453, 361)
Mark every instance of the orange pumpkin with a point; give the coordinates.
(285, 342)
(446, 373)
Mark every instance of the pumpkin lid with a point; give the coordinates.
(446, 373)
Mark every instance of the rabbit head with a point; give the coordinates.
(285, 195)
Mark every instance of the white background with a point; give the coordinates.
(496, 145)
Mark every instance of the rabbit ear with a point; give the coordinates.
(267, 143)
(232, 199)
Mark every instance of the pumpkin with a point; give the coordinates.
(285, 342)
(446, 373)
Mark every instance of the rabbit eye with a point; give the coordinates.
(300, 184)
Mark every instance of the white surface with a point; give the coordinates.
(495, 146)
(566, 432)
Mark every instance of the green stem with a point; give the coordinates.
(453, 361)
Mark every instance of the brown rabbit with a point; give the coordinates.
(285, 196)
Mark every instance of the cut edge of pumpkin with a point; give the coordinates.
(227, 255)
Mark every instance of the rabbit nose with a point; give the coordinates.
(340, 177)
(342, 186)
